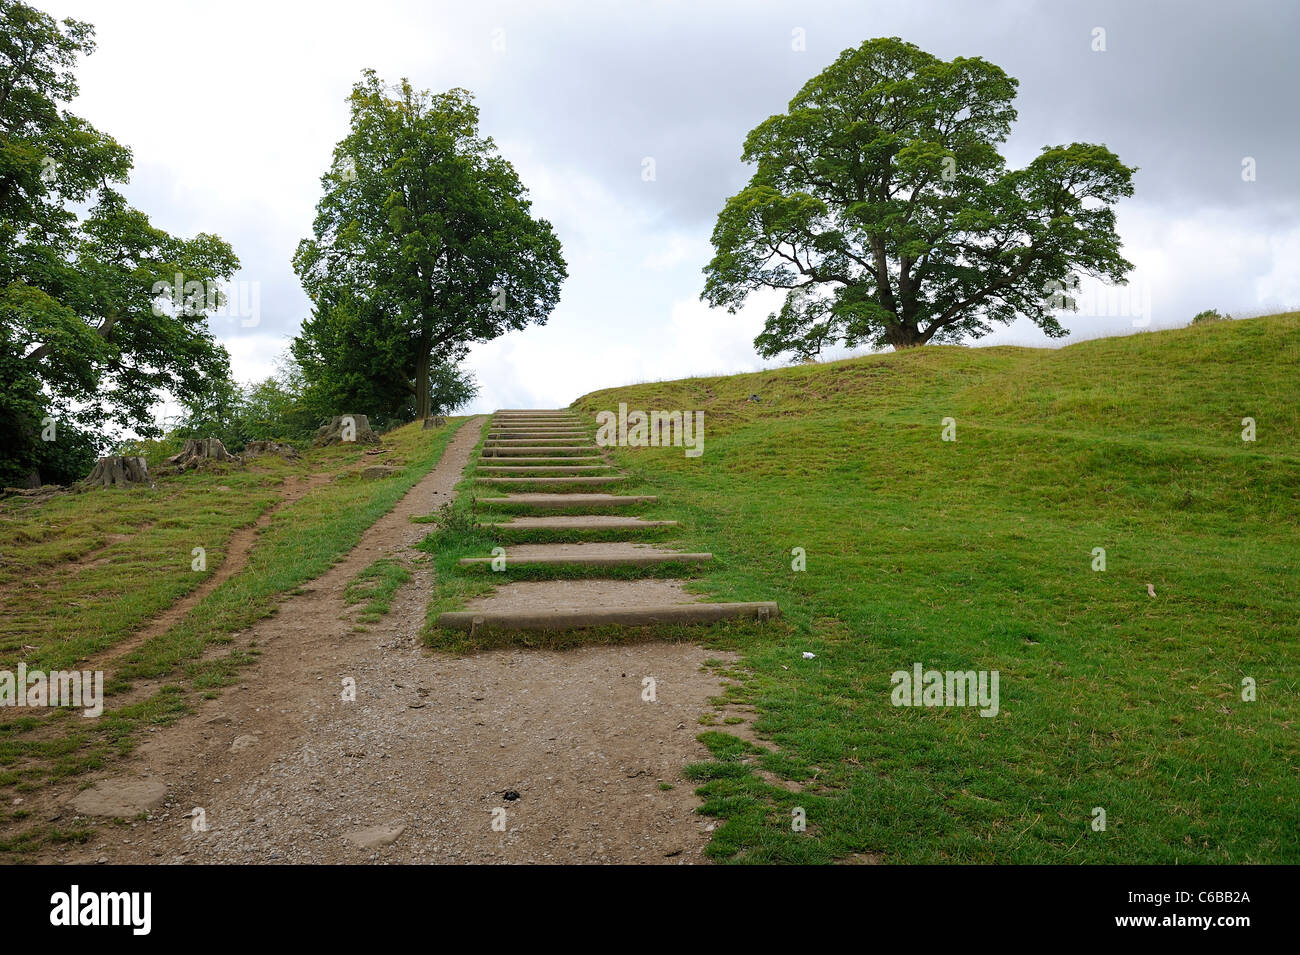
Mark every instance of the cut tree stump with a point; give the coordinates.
(343, 429)
(198, 450)
(120, 471)
(255, 448)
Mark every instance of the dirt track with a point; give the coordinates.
(420, 766)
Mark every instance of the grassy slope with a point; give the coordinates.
(55, 615)
(977, 555)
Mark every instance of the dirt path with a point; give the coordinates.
(238, 547)
(560, 749)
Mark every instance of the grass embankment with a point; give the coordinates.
(978, 554)
(84, 572)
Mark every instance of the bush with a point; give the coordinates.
(1209, 315)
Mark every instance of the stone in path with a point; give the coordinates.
(122, 798)
(375, 837)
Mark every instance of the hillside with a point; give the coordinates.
(978, 554)
(1120, 689)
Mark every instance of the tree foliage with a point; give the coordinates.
(423, 243)
(881, 205)
(86, 337)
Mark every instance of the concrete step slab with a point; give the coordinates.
(508, 450)
(553, 501)
(559, 620)
(538, 460)
(509, 469)
(613, 554)
(579, 522)
(603, 479)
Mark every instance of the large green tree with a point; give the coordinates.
(423, 243)
(881, 205)
(94, 329)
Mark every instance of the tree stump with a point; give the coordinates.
(255, 448)
(345, 429)
(198, 450)
(120, 471)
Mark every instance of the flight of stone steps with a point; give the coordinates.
(544, 468)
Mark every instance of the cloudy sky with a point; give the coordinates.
(232, 110)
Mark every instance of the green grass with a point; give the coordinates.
(376, 586)
(977, 554)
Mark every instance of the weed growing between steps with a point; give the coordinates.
(302, 541)
(979, 554)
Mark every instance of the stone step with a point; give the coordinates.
(509, 450)
(554, 501)
(614, 554)
(523, 460)
(563, 440)
(552, 620)
(579, 522)
(575, 435)
(604, 479)
(561, 468)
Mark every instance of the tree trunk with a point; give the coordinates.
(904, 336)
(119, 471)
(422, 384)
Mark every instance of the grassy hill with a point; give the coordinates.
(977, 554)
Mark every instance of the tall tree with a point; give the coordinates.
(881, 205)
(94, 326)
(423, 242)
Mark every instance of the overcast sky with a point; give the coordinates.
(232, 110)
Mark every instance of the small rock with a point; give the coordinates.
(243, 743)
(120, 798)
(375, 837)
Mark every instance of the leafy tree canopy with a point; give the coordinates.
(882, 206)
(92, 331)
(423, 243)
